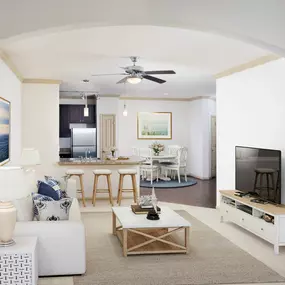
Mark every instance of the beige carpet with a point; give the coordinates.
(212, 259)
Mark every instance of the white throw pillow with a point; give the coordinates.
(25, 209)
(53, 210)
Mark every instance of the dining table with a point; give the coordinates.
(162, 156)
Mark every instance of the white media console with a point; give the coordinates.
(243, 212)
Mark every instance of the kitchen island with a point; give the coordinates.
(90, 164)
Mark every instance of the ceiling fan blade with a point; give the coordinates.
(155, 79)
(123, 80)
(108, 74)
(160, 72)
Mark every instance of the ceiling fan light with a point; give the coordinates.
(134, 79)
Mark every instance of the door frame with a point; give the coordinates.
(101, 131)
(211, 117)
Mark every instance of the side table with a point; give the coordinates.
(19, 263)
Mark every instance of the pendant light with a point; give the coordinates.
(125, 112)
(86, 109)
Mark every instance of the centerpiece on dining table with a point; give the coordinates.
(157, 148)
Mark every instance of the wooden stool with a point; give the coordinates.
(97, 173)
(264, 172)
(79, 173)
(123, 173)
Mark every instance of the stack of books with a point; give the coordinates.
(137, 209)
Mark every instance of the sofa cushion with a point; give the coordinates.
(47, 190)
(25, 209)
(53, 210)
(57, 186)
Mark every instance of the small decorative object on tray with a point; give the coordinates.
(157, 148)
(268, 218)
(137, 209)
(153, 213)
(145, 202)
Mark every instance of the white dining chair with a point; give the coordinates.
(172, 150)
(148, 166)
(180, 164)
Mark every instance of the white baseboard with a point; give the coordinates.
(199, 177)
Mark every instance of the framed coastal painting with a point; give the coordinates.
(4, 131)
(154, 126)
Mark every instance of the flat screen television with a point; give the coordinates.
(259, 171)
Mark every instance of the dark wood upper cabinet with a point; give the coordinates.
(64, 131)
(74, 114)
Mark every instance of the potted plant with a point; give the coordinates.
(157, 148)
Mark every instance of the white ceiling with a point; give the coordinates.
(74, 55)
(260, 22)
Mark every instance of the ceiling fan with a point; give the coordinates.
(134, 73)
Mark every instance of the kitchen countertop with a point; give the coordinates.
(133, 160)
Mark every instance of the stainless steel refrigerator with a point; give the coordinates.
(83, 142)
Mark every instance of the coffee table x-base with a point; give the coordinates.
(138, 235)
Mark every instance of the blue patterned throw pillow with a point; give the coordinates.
(47, 190)
(55, 184)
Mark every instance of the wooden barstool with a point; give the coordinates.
(78, 173)
(97, 173)
(123, 173)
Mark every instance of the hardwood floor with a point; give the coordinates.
(203, 194)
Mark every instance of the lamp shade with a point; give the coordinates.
(30, 157)
(14, 183)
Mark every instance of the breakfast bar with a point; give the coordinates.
(113, 164)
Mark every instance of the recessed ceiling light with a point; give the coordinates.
(85, 80)
(165, 94)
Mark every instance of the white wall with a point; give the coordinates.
(40, 123)
(10, 89)
(199, 135)
(190, 127)
(250, 112)
(128, 125)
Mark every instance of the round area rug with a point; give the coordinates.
(168, 184)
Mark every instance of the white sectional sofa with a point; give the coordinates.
(61, 244)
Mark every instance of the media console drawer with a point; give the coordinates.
(266, 230)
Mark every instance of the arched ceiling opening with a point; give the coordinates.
(70, 40)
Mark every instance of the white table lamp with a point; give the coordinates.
(30, 157)
(13, 186)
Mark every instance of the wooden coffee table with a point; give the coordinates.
(138, 235)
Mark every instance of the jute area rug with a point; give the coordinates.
(212, 260)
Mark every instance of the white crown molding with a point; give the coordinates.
(41, 81)
(253, 63)
(168, 99)
(6, 59)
